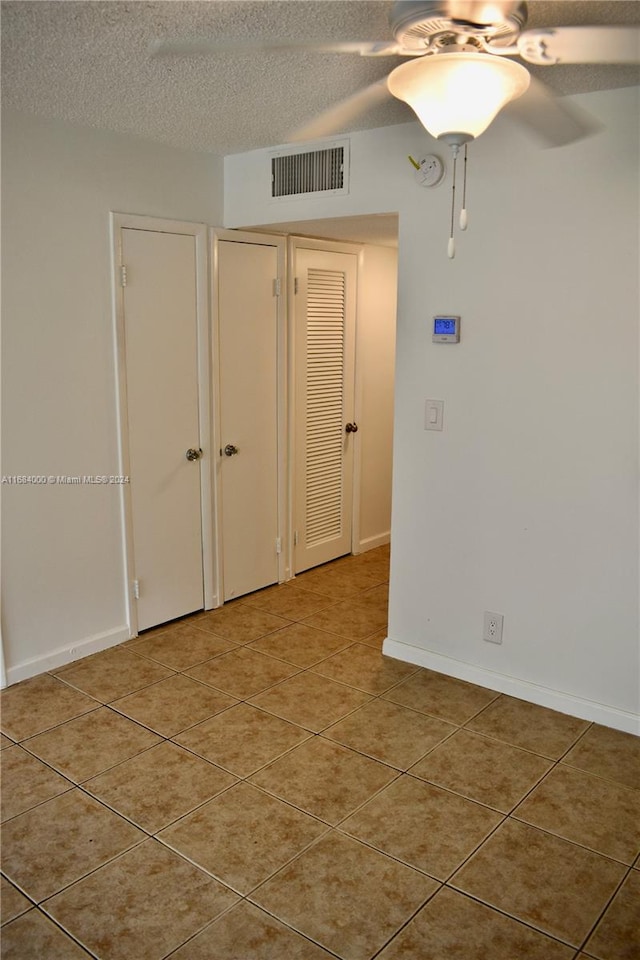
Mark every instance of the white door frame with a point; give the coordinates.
(118, 222)
(280, 244)
(331, 246)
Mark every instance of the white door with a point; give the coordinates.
(325, 429)
(249, 367)
(162, 415)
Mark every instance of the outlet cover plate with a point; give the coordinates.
(493, 623)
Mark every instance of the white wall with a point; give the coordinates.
(376, 342)
(527, 502)
(62, 545)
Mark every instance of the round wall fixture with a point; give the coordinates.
(430, 171)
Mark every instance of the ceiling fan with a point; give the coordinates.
(458, 73)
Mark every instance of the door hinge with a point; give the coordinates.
(296, 285)
(123, 276)
(295, 538)
(136, 589)
(278, 544)
(277, 287)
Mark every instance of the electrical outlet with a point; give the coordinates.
(492, 627)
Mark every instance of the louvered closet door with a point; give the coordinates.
(324, 378)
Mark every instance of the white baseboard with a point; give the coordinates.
(64, 655)
(543, 696)
(370, 543)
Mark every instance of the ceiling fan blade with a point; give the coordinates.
(340, 114)
(581, 45)
(211, 48)
(553, 121)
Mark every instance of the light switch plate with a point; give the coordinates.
(433, 414)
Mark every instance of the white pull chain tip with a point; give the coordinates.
(463, 219)
(451, 248)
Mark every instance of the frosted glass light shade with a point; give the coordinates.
(458, 93)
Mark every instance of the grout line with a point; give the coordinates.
(600, 916)
(322, 733)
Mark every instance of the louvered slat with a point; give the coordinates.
(324, 404)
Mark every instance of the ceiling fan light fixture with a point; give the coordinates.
(457, 95)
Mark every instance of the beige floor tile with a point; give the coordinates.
(243, 672)
(12, 903)
(389, 732)
(288, 600)
(453, 927)
(426, 827)
(26, 782)
(158, 786)
(378, 555)
(243, 836)
(324, 779)
(376, 639)
(365, 668)
(311, 701)
(38, 704)
(112, 674)
(440, 696)
(88, 745)
(617, 936)
(300, 644)
(345, 896)
(240, 622)
(608, 753)
(5, 742)
(482, 769)
(339, 583)
(248, 933)
(173, 705)
(242, 739)
(181, 646)
(35, 936)
(549, 883)
(596, 813)
(354, 618)
(527, 725)
(377, 596)
(158, 898)
(60, 841)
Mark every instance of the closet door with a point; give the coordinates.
(161, 355)
(325, 431)
(249, 372)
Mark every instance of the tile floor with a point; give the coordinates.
(260, 783)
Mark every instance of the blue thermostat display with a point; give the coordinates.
(446, 329)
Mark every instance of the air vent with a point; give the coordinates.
(310, 172)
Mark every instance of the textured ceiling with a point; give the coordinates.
(90, 63)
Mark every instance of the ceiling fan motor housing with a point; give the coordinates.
(419, 24)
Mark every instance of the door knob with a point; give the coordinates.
(193, 454)
(351, 428)
(230, 450)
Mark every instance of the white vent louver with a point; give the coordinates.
(310, 172)
(325, 402)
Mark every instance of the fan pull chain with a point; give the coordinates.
(451, 247)
(463, 213)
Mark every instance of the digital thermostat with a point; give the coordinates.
(446, 330)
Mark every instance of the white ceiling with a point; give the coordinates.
(89, 63)
(380, 229)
